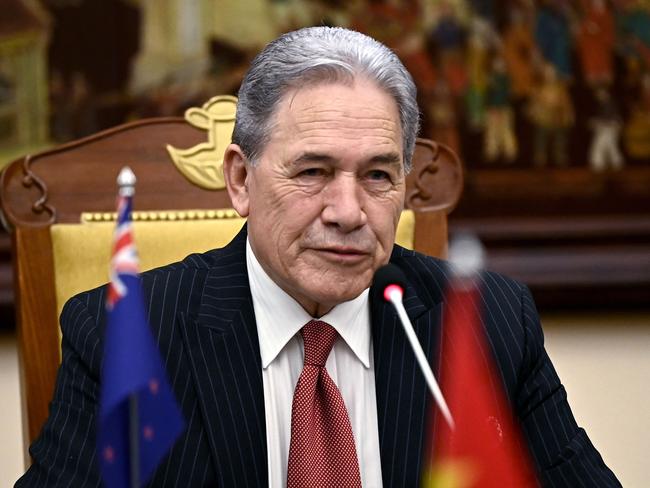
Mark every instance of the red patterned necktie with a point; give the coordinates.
(322, 452)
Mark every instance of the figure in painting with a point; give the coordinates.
(442, 113)
(519, 53)
(551, 112)
(637, 128)
(448, 37)
(606, 125)
(595, 42)
(553, 37)
(481, 40)
(500, 141)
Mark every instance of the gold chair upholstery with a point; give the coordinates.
(59, 204)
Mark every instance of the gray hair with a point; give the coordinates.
(316, 55)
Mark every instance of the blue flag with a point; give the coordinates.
(132, 366)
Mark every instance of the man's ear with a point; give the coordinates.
(235, 172)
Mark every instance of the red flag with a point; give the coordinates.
(483, 449)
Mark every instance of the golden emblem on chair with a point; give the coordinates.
(203, 164)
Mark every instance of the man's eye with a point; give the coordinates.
(312, 172)
(378, 175)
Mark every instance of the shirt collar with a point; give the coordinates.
(279, 317)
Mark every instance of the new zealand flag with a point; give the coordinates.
(139, 419)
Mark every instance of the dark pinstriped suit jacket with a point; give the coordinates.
(201, 313)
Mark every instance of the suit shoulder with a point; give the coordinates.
(194, 261)
(434, 274)
(426, 274)
(491, 280)
(194, 266)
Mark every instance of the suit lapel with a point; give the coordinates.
(402, 395)
(223, 349)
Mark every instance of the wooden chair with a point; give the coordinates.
(67, 193)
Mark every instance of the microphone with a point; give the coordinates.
(388, 285)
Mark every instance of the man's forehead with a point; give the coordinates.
(330, 106)
(333, 120)
(313, 96)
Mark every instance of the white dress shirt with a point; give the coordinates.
(350, 364)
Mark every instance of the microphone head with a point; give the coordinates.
(386, 276)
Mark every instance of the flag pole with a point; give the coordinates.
(126, 184)
(134, 442)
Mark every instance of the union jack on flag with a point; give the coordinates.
(139, 419)
(125, 257)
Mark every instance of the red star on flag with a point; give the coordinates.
(109, 454)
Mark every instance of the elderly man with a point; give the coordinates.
(286, 371)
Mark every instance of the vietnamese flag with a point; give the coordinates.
(484, 449)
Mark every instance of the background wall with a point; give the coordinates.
(604, 363)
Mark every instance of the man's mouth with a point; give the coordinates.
(343, 253)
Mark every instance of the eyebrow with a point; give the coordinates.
(314, 157)
(390, 158)
(387, 158)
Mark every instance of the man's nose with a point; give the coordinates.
(343, 203)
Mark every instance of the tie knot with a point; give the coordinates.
(319, 337)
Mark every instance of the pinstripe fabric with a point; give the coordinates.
(202, 317)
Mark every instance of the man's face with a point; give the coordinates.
(324, 200)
